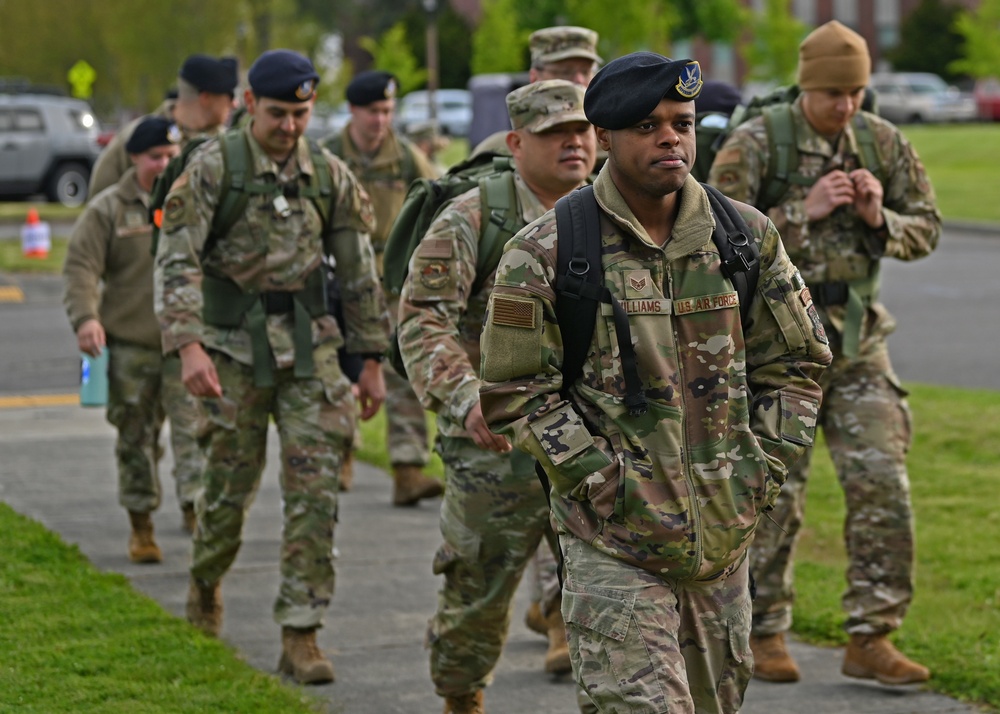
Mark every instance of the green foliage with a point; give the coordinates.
(498, 43)
(627, 25)
(392, 53)
(454, 43)
(772, 52)
(981, 30)
(928, 41)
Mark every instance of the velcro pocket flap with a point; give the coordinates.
(603, 610)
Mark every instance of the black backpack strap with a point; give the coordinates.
(740, 255)
(580, 290)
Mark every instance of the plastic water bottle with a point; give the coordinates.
(36, 237)
(94, 379)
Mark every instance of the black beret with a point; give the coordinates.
(283, 75)
(371, 86)
(718, 96)
(151, 131)
(208, 74)
(626, 90)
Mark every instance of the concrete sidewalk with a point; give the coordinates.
(56, 466)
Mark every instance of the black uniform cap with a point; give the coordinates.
(283, 75)
(371, 86)
(150, 132)
(208, 74)
(626, 90)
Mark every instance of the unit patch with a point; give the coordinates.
(434, 275)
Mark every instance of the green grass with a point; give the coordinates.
(954, 623)
(16, 212)
(12, 261)
(961, 163)
(74, 639)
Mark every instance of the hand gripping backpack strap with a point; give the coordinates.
(580, 290)
(739, 254)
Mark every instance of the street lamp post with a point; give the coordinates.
(430, 6)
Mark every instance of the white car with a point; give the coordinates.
(921, 97)
(454, 110)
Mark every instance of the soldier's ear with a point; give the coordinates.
(603, 138)
(514, 142)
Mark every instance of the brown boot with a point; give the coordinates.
(465, 704)
(301, 657)
(772, 663)
(557, 658)
(535, 620)
(410, 484)
(142, 548)
(204, 607)
(347, 472)
(188, 518)
(874, 657)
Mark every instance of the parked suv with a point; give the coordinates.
(48, 144)
(919, 97)
(454, 110)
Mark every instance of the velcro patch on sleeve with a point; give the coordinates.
(435, 248)
(513, 312)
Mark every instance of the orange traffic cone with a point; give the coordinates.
(36, 239)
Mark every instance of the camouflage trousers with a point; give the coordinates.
(406, 421)
(543, 576)
(642, 644)
(315, 419)
(144, 387)
(866, 422)
(493, 518)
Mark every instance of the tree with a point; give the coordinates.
(498, 43)
(981, 30)
(772, 52)
(928, 40)
(392, 53)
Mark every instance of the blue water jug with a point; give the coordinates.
(94, 379)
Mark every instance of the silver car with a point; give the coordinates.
(911, 97)
(48, 144)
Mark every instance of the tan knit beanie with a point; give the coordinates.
(834, 55)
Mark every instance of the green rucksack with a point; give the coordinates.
(238, 184)
(426, 198)
(783, 153)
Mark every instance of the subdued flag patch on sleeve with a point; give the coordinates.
(513, 312)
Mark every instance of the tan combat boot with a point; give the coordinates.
(204, 607)
(188, 518)
(410, 484)
(557, 658)
(874, 657)
(142, 548)
(465, 704)
(535, 620)
(772, 663)
(301, 657)
(347, 471)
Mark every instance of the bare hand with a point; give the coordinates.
(90, 337)
(475, 424)
(370, 389)
(198, 372)
(868, 195)
(831, 191)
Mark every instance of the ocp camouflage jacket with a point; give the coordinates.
(679, 490)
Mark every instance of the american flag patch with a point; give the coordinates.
(513, 312)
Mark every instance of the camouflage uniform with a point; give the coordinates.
(656, 512)
(494, 514)
(264, 252)
(865, 416)
(386, 177)
(111, 243)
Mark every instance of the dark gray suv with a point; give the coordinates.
(48, 144)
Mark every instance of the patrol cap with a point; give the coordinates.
(283, 75)
(553, 44)
(628, 88)
(542, 105)
(371, 86)
(208, 74)
(150, 132)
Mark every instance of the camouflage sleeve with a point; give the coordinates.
(522, 360)
(912, 220)
(366, 318)
(786, 351)
(177, 271)
(434, 297)
(85, 260)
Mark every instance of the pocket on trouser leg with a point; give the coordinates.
(738, 668)
(610, 659)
